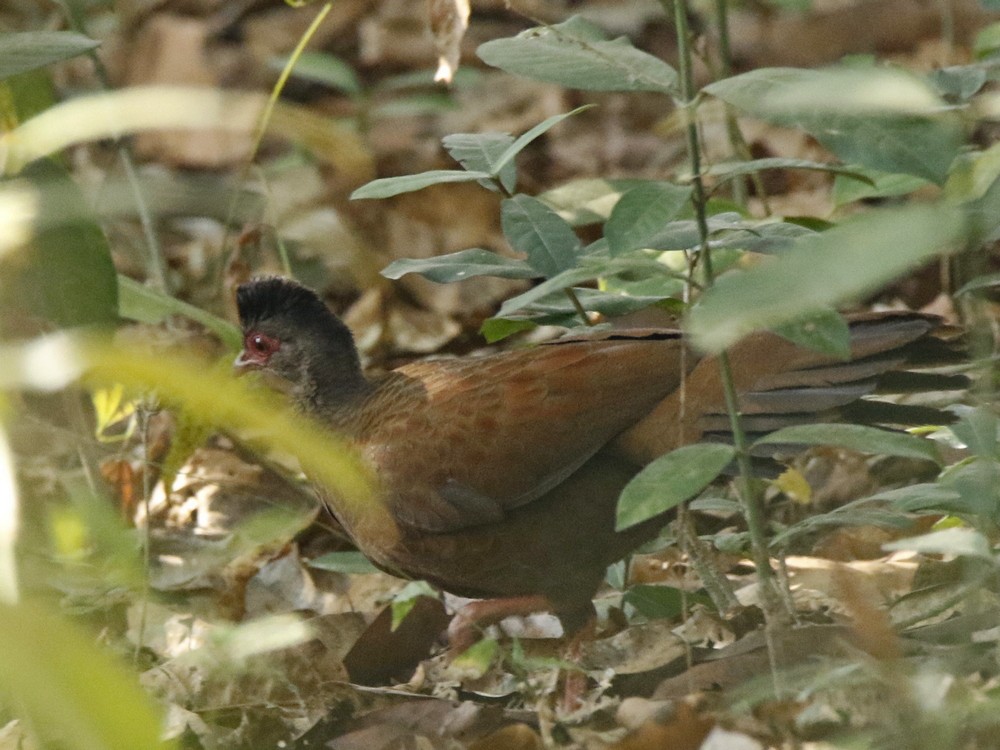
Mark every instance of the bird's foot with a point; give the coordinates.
(468, 623)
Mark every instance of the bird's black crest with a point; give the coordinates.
(264, 298)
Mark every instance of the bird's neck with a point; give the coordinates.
(333, 393)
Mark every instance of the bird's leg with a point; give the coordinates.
(467, 624)
(580, 627)
(575, 680)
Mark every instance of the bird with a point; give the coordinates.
(502, 472)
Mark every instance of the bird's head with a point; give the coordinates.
(289, 334)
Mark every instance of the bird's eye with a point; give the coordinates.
(258, 343)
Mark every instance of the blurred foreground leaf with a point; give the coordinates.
(64, 273)
(74, 694)
(883, 118)
(838, 265)
(959, 541)
(147, 305)
(119, 113)
(30, 50)
(223, 400)
(823, 331)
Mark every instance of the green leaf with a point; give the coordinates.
(986, 281)
(859, 513)
(481, 152)
(977, 482)
(729, 170)
(878, 184)
(555, 307)
(956, 541)
(988, 39)
(415, 105)
(65, 274)
(406, 598)
(824, 331)
(866, 90)
(343, 562)
(924, 147)
(557, 283)
(69, 688)
(959, 83)
(29, 50)
(823, 270)
(883, 118)
(216, 397)
(147, 305)
(587, 201)
(914, 498)
(641, 213)
(536, 230)
(979, 429)
(857, 438)
(525, 138)
(497, 329)
(115, 114)
(386, 187)
(663, 283)
(768, 236)
(982, 223)
(324, 68)
(973, 174)
(670, 480)
(669, 289)
(27, 94)
(461, 265)
(478, 657)
(655, 602)
(465, 78)
(576, 54)
(730, 230)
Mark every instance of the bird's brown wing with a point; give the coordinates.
(458, 443)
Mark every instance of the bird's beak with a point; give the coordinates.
(244, 364)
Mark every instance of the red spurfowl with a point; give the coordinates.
(502, 472)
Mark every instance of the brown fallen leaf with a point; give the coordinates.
(511, 737)
(171, 50)
(381, 653)
(685, 730)
(416, 722)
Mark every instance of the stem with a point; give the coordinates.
(720, 591)
(725, 50)
(750, 497)
(947, 31)
(736, 140)
(286, 73)
(578, 306)
(265, 118)
(156, 269)
(143, 414)
(732, 129)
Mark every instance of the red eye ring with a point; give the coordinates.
(261, 345)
